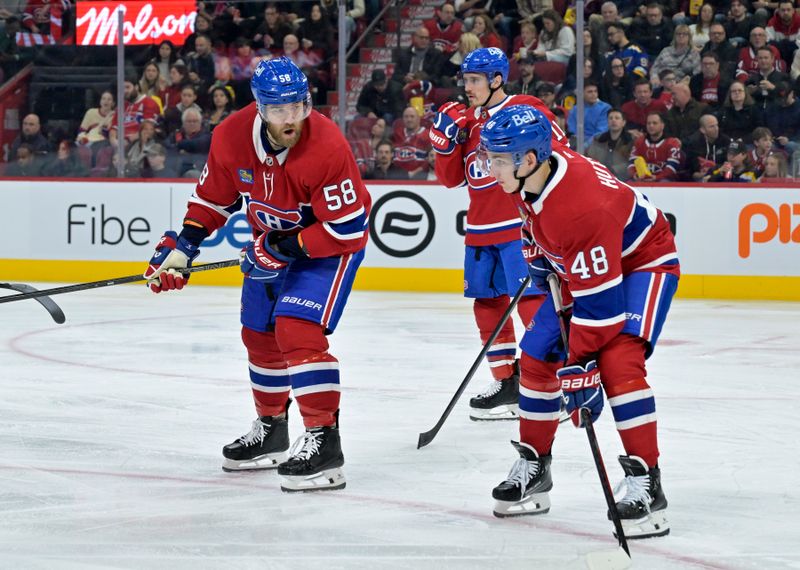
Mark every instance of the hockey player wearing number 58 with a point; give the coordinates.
(616, 258)
(494, 266)
(308, 209)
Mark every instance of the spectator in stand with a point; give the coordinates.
(761, 85)
(736, 169)
(782, 117)
(165, 57)
(663, 93)
(701, 30)
(200, 64)
(654, 32)
(556, 40)
(775, 169)
(364, 148)
(380, 98)
(525, 43)
(636, 61)
(571, 81)
(173, 117)
(506, 19)
(31, 135)
(222, 100)
(532, 10)
(617, 85)
(719, 44)
(613, 147)
(783, 29)
(643, 104)
(595, 120)
(706, 148)
(748, 55)
(411, 145)
(151, 83)
(178, 78)
(591, 53)
(191, 143)
(679, 56)
(96, 122)
(762, 149)
(739, 23)
(466, 10)
(300, 57)
(526, 84)
(64, 163)
(385, 168)
(11, 58)
(684, 117)
(418, 61)
(135, 154)
(483, 27)
(451, 69)
(709, 86)
(609, 14)
(445, 30)
(794, 72)
(738, 114)
(271, 31)
(202, 26)
(155, 164)
(26, 164)
(654, 158)
(317, 34)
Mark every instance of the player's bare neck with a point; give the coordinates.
(536, 182)
(496, 98)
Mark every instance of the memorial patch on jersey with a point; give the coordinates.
(246, 175)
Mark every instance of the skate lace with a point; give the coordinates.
(637, 490)
(523, 471)
(492, 389)
(255, 435)
(306, 445)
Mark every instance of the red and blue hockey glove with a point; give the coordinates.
(172, 254)
(447, 125)
(582, 389)
(538, 265)
(260, 261)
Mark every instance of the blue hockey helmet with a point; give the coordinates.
(279, 82)
(517, 130)
(488, 61)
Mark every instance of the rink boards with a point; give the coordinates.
(735, 242)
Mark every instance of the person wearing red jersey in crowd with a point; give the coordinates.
(783, 29)
(710, 86)
(618, 266)
(643, 104)
(308, 208)
(655, 157)
(748, 55)
(493, 265)
(445, 29)
(138, 108)
(411, 144)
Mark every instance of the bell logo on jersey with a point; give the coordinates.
(270, 218)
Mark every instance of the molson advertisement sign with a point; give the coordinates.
(145, 22)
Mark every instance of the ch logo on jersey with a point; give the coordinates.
(271, 218)
(477, 178)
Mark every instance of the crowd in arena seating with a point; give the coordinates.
(677, 90)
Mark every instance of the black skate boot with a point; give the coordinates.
(525, 490)
(316, 466)
(500, 400)
(264, 447)
(643, 509)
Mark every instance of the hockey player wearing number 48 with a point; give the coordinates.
(616, 258)
(308, 209)
(493, 265)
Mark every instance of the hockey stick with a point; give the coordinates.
(586, 416)
(46, 302)
(426, 437)
(109, 282)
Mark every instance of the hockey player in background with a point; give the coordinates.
(308, 209)
(493, 265)
(618, 265)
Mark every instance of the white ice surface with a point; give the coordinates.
(111, 427)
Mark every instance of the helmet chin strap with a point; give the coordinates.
(492, 91)
(522, 179)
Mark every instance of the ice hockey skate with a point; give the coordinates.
(263, 447)
(525, 491)
(500, 400)
(315, 462)
(643, 509)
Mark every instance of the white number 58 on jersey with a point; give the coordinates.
(338, 195)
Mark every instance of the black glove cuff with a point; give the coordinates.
(290, 247)
(194, 234)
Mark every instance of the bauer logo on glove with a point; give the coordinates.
(261, 261)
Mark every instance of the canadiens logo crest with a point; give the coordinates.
(477, 178)
(246, 175)
(270, 218)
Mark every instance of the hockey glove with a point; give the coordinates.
(447, 127)
(538, 265)
(260, 261)
(582, 389)
(172, 254)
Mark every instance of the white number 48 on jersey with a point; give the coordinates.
(597, 259)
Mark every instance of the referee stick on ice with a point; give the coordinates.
(426, 437)
(597, 560)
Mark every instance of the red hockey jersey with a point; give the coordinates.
(491, 218)
(313, 188)
(663, 157)
(595, 230)
(411, 148)
(445, 40)
(143, 109)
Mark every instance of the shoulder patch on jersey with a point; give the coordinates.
(246, 175)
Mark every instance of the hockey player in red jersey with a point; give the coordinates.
(493, 265)
(618, 265)
(308, 208)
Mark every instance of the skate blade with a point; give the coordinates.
(651, 526)
(535, 504)
(608, 560)
(268, 461)
(327, 480)
(505, 412)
